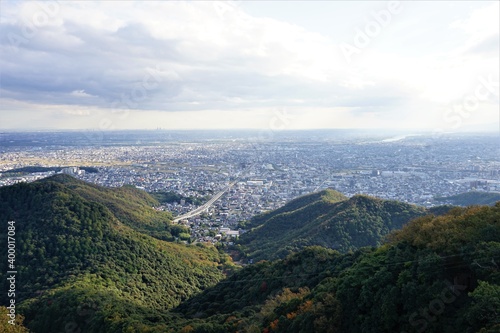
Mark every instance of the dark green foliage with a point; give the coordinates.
(133, 207)
(440, 210)
(296, 204)
(438, 274)
(471, 198)
(328, 219)
(71, 247)
(171, 197)
(251, 286)
(81, 269)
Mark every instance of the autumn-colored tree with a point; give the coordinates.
(8, 327)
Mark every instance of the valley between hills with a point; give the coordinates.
(96, 259)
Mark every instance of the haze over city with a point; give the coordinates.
(219, 65)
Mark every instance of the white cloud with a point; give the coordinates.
(482, 22)
(211, 60)
(482, 28)
(80, 93)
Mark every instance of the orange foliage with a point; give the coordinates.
(187, 329)
(306, 306)
(274, 325)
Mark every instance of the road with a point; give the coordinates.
(216, 197)
(205, 206)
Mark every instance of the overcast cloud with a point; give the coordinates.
(140, 64)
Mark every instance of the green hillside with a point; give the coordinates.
(437, 275)
(78, 245)
(471, 198)
(328, 219)
(82, 269)
(328, 196)
(129, 204)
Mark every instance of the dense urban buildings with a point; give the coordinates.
(252, 176)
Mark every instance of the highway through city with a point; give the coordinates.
(205, 206)
(214, 199)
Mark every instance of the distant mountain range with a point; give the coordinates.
(328, 219)
(94, 259)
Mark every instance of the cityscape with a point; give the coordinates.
(244, 177)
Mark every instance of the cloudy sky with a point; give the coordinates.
(249, 64)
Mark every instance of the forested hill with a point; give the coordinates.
(78, 245)
(133, 207)
(82, 269)
(471, 198)
(436, 275)
(328, 219)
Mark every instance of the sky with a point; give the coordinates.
(274, 65)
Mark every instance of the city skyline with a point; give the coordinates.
(226, 65)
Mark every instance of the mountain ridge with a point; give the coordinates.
(133, 207)
(326, 218)
(70, 247)
(471, 198)
(80, 268)
(437, 274)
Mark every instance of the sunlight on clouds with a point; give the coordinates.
(100, 16)
(212, 64)
(482, 22)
